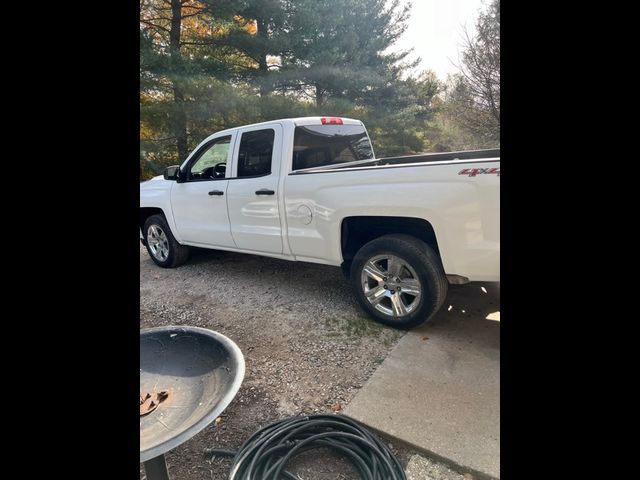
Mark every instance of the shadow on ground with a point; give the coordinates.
(470, 312)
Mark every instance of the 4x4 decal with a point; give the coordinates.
(472, 172)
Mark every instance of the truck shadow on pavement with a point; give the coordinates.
(470, 315)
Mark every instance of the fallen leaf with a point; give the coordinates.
(425, 338)
(336, 407)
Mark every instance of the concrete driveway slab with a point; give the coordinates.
(439, 388)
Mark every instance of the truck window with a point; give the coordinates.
(319, 145)
(211, 163)
(254, 156)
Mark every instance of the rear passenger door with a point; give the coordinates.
(252, 194)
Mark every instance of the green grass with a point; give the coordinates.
(362, 327)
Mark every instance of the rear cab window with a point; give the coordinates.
(321, 145)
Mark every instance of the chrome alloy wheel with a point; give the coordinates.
(391, 285)
(158, 242)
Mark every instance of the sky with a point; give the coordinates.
(435, 31)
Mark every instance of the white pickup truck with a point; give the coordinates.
(310, 189)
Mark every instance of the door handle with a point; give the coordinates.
(264, 191)
(216, 192)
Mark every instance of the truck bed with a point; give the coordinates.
(459, 201)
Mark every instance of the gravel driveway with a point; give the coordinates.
(308, 348)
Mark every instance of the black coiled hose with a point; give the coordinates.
(266, 453)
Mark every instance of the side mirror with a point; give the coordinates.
(220, 170)
(172, 172)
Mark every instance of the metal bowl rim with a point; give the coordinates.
(220, 406)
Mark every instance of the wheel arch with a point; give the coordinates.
(146, 212)
(356, 231)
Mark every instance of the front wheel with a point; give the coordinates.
(399, 280)
(163, 248)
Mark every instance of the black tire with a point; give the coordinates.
(177, 254)
(427, 267)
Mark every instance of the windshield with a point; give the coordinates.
(320, 145)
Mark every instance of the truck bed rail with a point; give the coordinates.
(424, 158)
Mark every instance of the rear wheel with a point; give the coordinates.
(163, 248)
(399, 280)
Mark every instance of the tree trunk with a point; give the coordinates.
(179, 120)
(319, 96)
(265, 88)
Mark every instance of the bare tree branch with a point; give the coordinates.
(476, 94)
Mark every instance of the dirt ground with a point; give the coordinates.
(308, 348)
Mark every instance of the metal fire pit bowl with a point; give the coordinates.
(198, 372)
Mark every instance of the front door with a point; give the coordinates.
(199, 202)
(252, 195)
